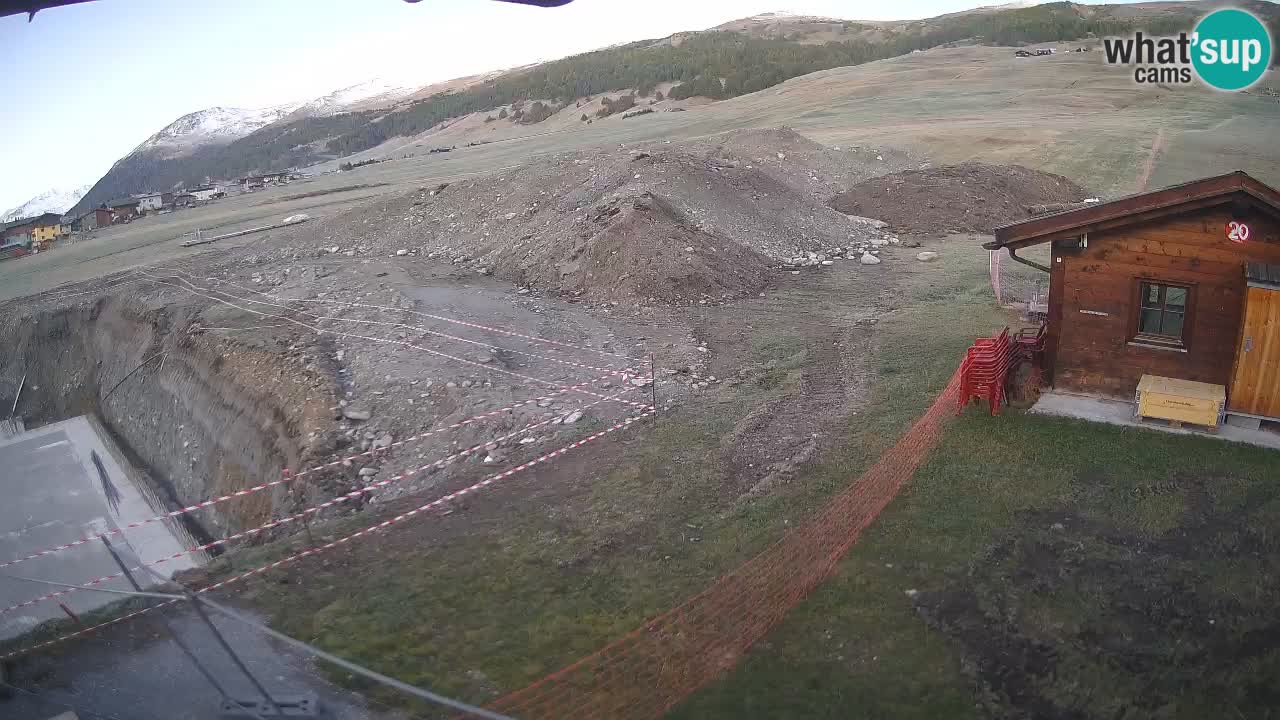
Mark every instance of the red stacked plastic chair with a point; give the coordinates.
(984, 371)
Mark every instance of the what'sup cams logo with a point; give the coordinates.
(1230, 49)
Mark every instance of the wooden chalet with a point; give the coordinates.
(1180, 283)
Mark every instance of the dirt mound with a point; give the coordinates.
(615, 224)
(969, 197)
(645, 248)
(809, 167)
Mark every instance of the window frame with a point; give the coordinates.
(1188, 313)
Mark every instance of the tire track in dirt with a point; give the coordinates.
(1157, 146)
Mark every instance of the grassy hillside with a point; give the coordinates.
(718, 64)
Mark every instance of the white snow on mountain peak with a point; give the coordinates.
(216, 125)
(371, 91)
(221, 125)
(57, 200)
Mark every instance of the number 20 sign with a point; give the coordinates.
(1237, 232)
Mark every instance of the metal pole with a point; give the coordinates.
(354, 668)
(17, 395)
(298, 499)
(195, 603)
(172, 633)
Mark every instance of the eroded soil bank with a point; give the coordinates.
(199, 416)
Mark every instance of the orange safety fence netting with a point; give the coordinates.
(650, 670)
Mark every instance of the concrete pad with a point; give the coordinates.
(53, 495)
(135, 671)
(1243, 421)
(1119, 412)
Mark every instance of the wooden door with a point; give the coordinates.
(1255, 388)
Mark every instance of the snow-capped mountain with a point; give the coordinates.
(218, 125)
(221, 125)
(159, 161)
(378, 91)
(57, 200)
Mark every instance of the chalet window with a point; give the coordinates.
(1162, 313)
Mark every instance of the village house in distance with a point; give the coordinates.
(26, 236)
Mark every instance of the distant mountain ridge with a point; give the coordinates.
(372, 93)
(222, 125)
(735, 58)
(57, 200)
(213, 125)
(179, 154)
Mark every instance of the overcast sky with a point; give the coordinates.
(83, 85)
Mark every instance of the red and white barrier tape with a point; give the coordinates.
(434, 503)
(299, 474)
(293, 518)
(417, 328)
(86, 631)
(510, 333)
(322, 331)
(649, 410)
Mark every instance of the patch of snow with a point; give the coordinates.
(215, 125)
(221, 125)
(58, 200)
(1015, 5)
(370, 92)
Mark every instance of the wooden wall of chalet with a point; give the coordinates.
(1091, 352)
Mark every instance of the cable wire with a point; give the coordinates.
(204, 293)
(113, 591)
(352, 667)
(327, 301)
(418, 692)
(417, 328)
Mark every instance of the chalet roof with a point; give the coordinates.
(1237, 188)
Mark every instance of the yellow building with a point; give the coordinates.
(46, 233)
(44, 230)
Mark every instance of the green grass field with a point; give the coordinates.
(1037, 567)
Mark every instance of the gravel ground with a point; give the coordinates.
(657, 223)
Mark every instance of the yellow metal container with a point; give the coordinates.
(1181, 401)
